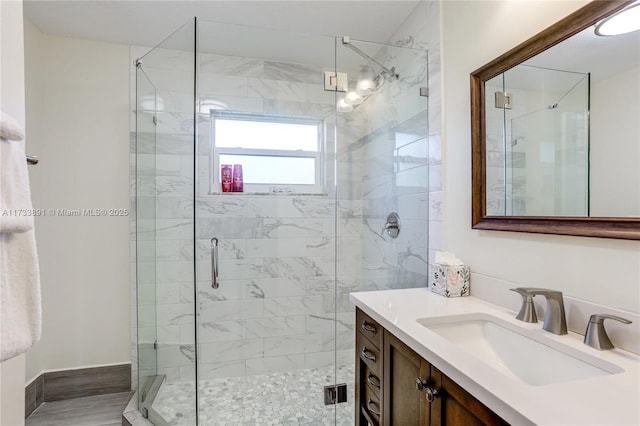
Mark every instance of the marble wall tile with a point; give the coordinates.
(301, 305)
(170, 79)
(221, 331)
(291, 228)
(222, 207)
(286, 71)
(328, 359)
(275, 363)
(414, 206)
(230, 65)
(435, 205)
(175, 314)
(228, 290)
(275, 326)
(236, 227)
(412, 181)
(262, 88)
(435, 177)
(220, 84)
(175, 355)
(228, 248)
(214, 370)
(172, 272)
(285, 345)
(435, 148)
(324, 323)
(411, 155)
(267, 288)
(233, 350)
(226, 310)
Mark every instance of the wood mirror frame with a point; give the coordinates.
(604, 227)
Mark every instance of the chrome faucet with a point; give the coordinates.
(555, 320)
(596, 336)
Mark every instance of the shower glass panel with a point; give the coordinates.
(146, 108)
(547, 142)
(382, 167)
(165, 228)
(538, 146)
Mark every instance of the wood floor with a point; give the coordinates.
(101, 410)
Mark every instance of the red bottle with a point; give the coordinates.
(238, 185)
(226, 177)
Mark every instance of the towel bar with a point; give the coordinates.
(32, 159)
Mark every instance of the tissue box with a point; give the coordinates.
(449, 281)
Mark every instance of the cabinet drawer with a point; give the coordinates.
(372, 380)
(369, 328)
(371, 406)
(369, 354)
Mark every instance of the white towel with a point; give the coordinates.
(20, 307)
(16, 213)
(10, 130)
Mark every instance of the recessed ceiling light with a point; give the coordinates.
(625, 21)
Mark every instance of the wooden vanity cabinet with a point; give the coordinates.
(407, 382)
(369, 380)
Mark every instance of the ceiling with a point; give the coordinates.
(146, 23)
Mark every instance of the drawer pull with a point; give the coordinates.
(431, 394)
(368, 354)
(368, 327)
(373, 380)
(370, 405)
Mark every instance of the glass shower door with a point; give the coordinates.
(266, 335)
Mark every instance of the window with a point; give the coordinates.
(278, 153)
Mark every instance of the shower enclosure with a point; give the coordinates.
(332, 135)
(539, 143)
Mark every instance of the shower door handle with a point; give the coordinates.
(214, 263)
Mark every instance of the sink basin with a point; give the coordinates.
(517, 352)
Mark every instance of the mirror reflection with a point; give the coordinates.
(562, 132)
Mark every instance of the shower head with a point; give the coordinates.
(391, 72)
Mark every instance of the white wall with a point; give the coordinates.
(77, 115)
(615, 152)
(602, 270)
(12, 102)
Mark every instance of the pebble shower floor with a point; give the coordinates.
(282, 398)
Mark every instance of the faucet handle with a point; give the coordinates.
(527, 310)
(523, 291)
(599, 318)
(596, 335)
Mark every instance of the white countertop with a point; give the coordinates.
(605, 400)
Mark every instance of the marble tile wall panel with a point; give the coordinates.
(276, 253)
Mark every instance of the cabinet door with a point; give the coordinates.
(454, 406)
(402, 401)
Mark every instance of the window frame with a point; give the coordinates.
(319, 156)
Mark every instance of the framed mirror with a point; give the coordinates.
(555, 133)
